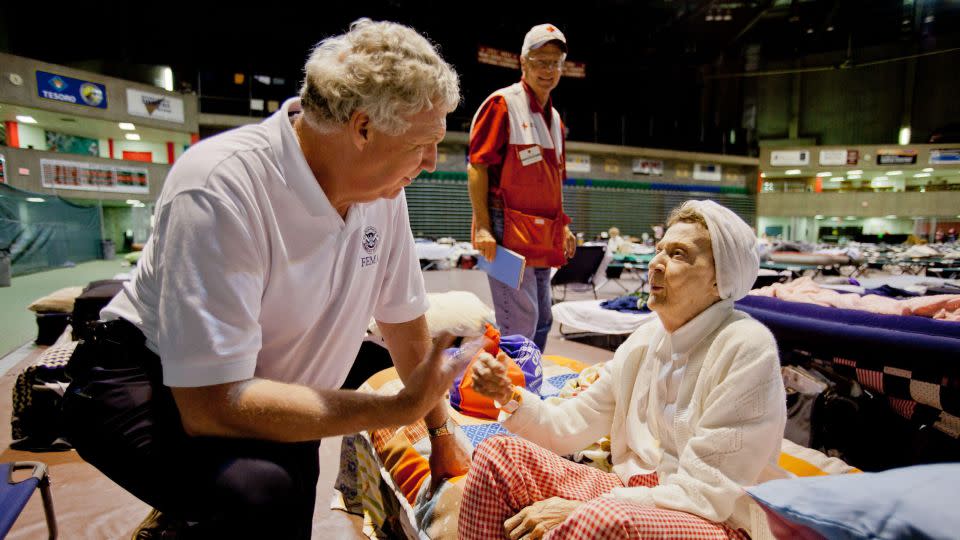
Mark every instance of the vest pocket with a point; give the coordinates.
(534, 236)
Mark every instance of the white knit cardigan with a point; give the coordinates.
(728, 427)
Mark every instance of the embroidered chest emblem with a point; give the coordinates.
(370, 240)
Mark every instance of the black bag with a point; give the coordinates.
(87, 306)
(50, 327)
(36, 423)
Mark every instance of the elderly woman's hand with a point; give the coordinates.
(536, 520)
(490, 377)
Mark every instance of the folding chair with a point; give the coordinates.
(580, 269)
(14, 495)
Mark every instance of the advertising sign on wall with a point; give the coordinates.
(578, 163)
(707, 171)
(59, 174)
(839, 157)
(71, 144)
(786, 158)
(886, 156)
(70, 90)
(156, 106)
(509, 59)
(945, 156)
(650, 167)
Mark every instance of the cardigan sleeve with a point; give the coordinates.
(578, 422)
(739, 432)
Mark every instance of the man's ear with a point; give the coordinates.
(360, 130)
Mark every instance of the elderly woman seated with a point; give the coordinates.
(693, 403)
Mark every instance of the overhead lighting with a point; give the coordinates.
(891, 216)
(127, 126)
(818, 216)
(837, 179)
(849, 218)
(857, 171)
(904, 137)
(132, 136)
(35, 199)
(928, 169)
(133, 201)
(763, 175)
(793, 171)
(854, 177)
(895, 173)
(921, 175)
(880, 179)
(824, 173)
(24, 119)
(166, 79)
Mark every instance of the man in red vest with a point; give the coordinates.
(515, 176)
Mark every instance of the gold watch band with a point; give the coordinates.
(439, 431)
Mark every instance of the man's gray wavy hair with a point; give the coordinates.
(384, 69)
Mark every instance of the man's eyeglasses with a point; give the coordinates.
(545, 64)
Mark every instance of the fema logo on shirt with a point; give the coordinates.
(371, 237)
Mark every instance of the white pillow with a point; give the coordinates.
(459, 313)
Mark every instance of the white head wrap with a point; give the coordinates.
(734, 249)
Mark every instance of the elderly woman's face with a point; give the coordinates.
(682, 276)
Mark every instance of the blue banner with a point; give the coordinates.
(70, 90)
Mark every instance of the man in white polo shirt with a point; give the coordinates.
(207, 391)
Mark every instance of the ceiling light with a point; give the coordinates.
(850, 218)
(904, 137)
(763, 175)
(132, 136)
(880, 179)
(928, 169)
(854, 177)
(891, 217)
(133, 201)
(921, 175)
(127, 126)
(793, 171)
(34, 199)
(858, 171)
(825, 173)
(26, 119)
(837, 179)
(818, 216)
(894, 173)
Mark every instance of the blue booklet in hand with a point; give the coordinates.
(506, 267)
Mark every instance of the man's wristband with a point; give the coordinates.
(440, 431)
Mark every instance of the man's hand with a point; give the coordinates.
(490, 377)
(429, 381)
(484, 243)
(569, 242)
(536, 520)
(447, 460)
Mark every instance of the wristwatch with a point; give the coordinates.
(439, 431)
(511, 406)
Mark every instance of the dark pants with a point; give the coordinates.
(124, 421)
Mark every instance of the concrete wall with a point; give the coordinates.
(868, 204)
(17, 158)
(26, 94)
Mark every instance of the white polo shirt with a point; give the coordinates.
(251, 272)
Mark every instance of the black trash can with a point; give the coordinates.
(107, 250)
(5, 270)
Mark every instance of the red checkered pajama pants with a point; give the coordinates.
(510, 473)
